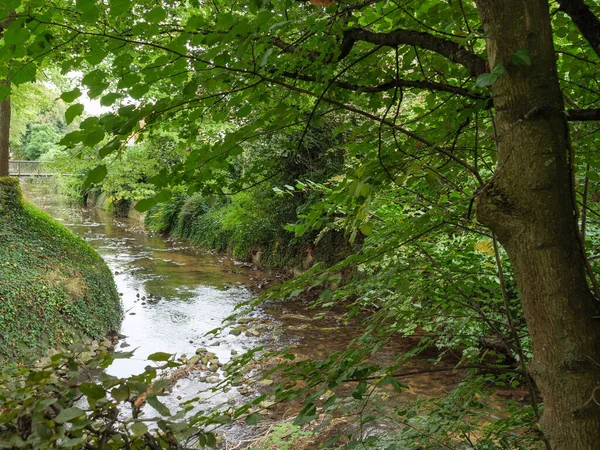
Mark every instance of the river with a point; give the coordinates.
(172, 295)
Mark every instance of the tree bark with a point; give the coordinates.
(529, 205)
(4, 134)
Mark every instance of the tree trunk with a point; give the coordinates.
(529, 205)
(4, 134)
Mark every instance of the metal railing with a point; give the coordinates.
(29, 169)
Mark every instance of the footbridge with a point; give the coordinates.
(30, 169)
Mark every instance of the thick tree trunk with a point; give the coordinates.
(4, 135)
(529, 205)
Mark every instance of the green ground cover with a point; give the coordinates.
(54, 287)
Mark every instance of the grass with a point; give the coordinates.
(54, 287)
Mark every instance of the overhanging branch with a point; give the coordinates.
(584, 19)
(449, 49)
(394, 83)
(583, 115)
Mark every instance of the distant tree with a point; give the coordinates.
(41, 138)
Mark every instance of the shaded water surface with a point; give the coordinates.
(171, 294)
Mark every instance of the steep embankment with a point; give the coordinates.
(54, 287)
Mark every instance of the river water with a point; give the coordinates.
(172, 295)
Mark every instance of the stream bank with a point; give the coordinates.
(54, 287)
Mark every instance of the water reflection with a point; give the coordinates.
(172, 295)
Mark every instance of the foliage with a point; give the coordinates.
(408, 90)
(54, 287)
(41, 139)
(37, 122)
(59, 402)
(252, 224)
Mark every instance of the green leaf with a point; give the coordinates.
(223, 419)
(224, 21)
(68, 415)
(593, 176)
(211, 440)
(487, 79)
(68, 443)
(156, 15)
(139, 428)
(190, 89)
(109, 99)
(145, 204)
(93, 137)
(73, 111)
(158, 406)
(71, 95)
(139, 90)
(44, 431)
(360, 390)
(24, 74)
(388, 379)
(253, 419)
(265, 57)
(367, 228)
(521, 57)
(129, 80)
(119, 7)
(92, 391)
(245, 111)
(120, 393)
(307, 415)
(15, 33)
(160, 356)
(96, 175)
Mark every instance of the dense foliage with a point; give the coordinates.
(38, 122)
(253, 224)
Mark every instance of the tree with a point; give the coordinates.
(4, 115)
(530, 204)
(486, 70)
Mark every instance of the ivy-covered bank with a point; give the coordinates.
(54, 287)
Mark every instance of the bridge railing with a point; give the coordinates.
(19, 168)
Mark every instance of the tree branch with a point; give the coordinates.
(394, 83)
(584, 19)
(451, 50)
(583, 115)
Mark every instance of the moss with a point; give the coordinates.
(54, 287)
